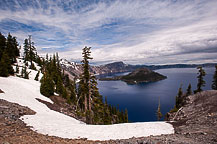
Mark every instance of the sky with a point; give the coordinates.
(132, 31)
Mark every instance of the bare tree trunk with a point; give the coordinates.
(85, 102)
(89, 96)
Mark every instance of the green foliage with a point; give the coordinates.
(189, 91)
(5, 66)
(17, 69)
(37, 75)
(8, 53)
(91, 102)
(201, 82)
(214, 82)
(30, 53)
(47, 86)
(175, 109)
(84, 84)
(2, 45)
(25, 73)
(179, 98)
(12, 48)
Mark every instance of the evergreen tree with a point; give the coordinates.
(201, 83)
(26, 50)
(37, 75)
(47, 86)
(73, 92)
(107, 116)
(12, 48)
(26, 74)
(30, 52)
(5, 66)
(214, 82)
(179, 99)
(84, 84)
(8, 53)
(2, 45)
(17, 69)
(59, 86)
(159, 114)
(22, 73)
(126, 116)
(189, 91)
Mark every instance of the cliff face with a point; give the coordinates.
(74, 69)
(115, 67)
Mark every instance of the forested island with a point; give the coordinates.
(140, 75)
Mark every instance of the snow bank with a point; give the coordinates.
(46, 121)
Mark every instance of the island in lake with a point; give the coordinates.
(141, 75)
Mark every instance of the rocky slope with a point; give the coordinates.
(74, 69)
(195, 123)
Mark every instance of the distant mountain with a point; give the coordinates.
(140, 75)
(74, 69)
(154, 67)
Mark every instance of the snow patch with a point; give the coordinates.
(46, 121)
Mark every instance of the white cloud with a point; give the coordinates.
(143, 32)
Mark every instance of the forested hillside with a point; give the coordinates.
(84, 95)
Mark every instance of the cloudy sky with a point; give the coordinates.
(133, 31)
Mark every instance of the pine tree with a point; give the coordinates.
(37, 75)
(159, 114)
(22, 73)
(30, 52)
(5, 66)
(84, 84)
(59, 86)
(107, 116)
(73, 92)
(214, 82)
(12, 48)
(189, 91)
(26, 50)
(47, 86)
(126, 116)
(2, 45)
(201, 83)
(26, 74)
(17, 68)
(8, 53)
(4, 63)
(179, 99)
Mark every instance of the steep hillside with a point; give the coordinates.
(196, 122)
(74, 69)
(46, 121)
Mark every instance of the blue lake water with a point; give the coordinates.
(141, 100)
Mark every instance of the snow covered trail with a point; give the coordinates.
(46, 121)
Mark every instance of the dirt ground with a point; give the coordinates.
(195, 123)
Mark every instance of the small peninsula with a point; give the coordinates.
(141, 75)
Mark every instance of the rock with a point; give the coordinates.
(1, 91)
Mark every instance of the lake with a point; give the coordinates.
(141, 100)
